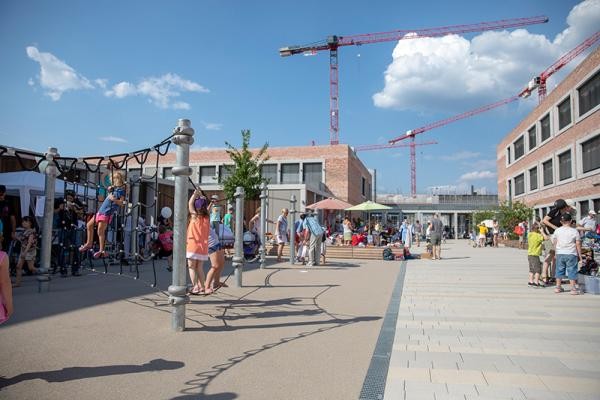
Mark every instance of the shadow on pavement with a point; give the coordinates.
(76, 373)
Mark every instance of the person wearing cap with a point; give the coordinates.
(587, 226)
(568, 254)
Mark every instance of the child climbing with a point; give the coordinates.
(197, 240)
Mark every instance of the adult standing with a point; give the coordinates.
(418, 232)
(437, 229)
(9, 221)
(406, 232)
(495, 232)
(551, 222)
(347, 231)
(315, 232)
(281, 230)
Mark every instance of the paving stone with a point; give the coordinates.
(457, 376)
(499, 391)
(461, 389)
(576, 385)
(512, 379)
(537, 394)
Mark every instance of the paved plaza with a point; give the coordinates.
(465, 327)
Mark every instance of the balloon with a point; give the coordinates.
(166, 212)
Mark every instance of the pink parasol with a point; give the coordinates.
(330, 204)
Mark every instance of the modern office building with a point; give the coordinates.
(555, 151)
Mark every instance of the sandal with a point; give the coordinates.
(208, 291)
(84, 247)
(575, 291)
(99, 254)
(559, 289)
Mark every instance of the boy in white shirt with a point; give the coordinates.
(568, 253)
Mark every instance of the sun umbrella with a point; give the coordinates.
(369, 206)
(330, 204)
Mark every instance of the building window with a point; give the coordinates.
(269, 172)
(564, 166)
(509, 190)
(596, 205)
(150, 171)
(134, 172)
(531, 134)
(548, 173)
(545, 128)
(519, 184)
(290, 173)
(508, 160)
(519, 147)
(207, 175)
(589, 94)
(225, 171)
(168, 173)
(564, 113)
(590, 154)
(584, 207)
(533, 179)
(312, 173)
(364, 186)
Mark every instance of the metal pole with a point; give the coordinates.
(183, 138)
(135, 212)
(238, 246)
(292, 229)
(50, 188)
(263, 223)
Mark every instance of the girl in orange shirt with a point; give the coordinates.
(197, 240)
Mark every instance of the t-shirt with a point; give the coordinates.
(535, 241)
(437, 227)
(215, 214)
(483, 230)
(227, 220)
(565, 238)
(588, 223)
(554, 215)
(166, 240)
(108, 206)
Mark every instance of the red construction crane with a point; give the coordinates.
(539, 82)
(334, 42)
(413, 158)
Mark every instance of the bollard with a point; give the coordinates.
(183, 138)
(238, 246)
(263, 224)
(292, 229)
(49, 168)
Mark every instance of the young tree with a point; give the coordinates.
(245, 171)
(512, 214)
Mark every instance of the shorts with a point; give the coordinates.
(214, 249)
(29, 256)
(103, 218)
(436, 240)
(481, 236)
(566, 266)
(521, 239)
(164, 253)
(535, 265)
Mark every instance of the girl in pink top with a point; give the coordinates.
(197, 240)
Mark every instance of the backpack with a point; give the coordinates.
(518, 230)
(388, 254)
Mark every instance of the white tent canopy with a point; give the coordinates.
(27, 184)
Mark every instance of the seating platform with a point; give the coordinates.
(342, 252)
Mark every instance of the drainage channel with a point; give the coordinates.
(374, 384)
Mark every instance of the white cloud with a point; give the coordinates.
(481, 164)
(31, 82)
(476, 175)
(461, 155)
(160, 91)
(212, 126)
(101, 83)
(113, 139)
(451, 73)
(56, 77)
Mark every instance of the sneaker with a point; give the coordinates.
(531, 284)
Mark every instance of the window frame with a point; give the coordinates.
(576, 90)
(215, 176)
(537, 180)
(551, 184)
(298, 177)
(563, 99)
(527, 133)
(559, 153)
(524, 192)
(549, 115)
(521, 137)
(579, 155)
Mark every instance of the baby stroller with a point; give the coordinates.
(251, 246)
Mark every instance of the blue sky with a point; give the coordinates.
(107, 77)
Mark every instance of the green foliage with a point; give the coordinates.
(512, 214)
(483, 215)
(245, 171)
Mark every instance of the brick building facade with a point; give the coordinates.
(555, 151)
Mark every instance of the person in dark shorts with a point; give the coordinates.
(535, 240)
